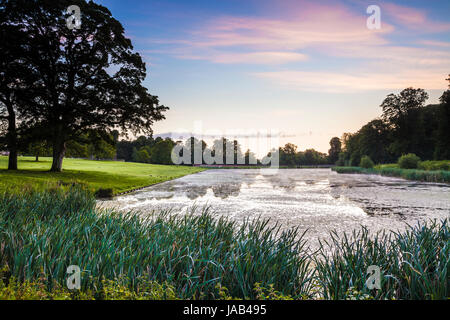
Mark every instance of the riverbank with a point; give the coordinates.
(438, 176)
(115, 177)
(199, 256)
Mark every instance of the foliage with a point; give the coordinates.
(366, 162)
(104, 193)
(141, 156)
(11, 289)
(406, 126)
(94, 75)
(196, 256)
(290, 157)
(442, 149)
(193, 252)
(435, 165)
(415, 264)
(409, 161)
(335, 149)
(341, 159)
(409, 174)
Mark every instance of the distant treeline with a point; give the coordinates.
(102, 145)
(406, 126)
(158, 151)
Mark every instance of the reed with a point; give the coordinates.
(415, 264)
(409, 174)
(197, 256)
(41, 234)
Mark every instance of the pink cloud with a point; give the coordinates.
(434, 43)
(333, 30)
(353, 81)
(230, 39)
(312, 24)
(264, 57)
(413, 18)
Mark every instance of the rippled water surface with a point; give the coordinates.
(317, 199)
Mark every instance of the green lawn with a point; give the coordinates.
(120, 176)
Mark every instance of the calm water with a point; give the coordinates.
(317, 199)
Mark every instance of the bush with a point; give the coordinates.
(409, 174)
(435, 165)
(104, 193)
(341, 160)
(366, 162)
(408, 161)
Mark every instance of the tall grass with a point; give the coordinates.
(409, 174)
(196, 256)
(41, 234)
(415, 264)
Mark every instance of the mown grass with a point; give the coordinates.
(95, 175)
(197, 256)
(409, 174)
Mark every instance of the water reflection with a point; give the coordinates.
(317, 199)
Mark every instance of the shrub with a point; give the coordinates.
(104, 193)
(408, 161)
(409, 174)
(366, 162)
(341, 160)
(435, 165)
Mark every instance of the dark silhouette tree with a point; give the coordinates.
(443, 131)
(15, 78)
(89, 77)
(335, 149)
(288, 154)
(402, 113)
(160, 153)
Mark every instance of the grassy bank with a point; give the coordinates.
(393, 171)
(198, 257)
(115, 175)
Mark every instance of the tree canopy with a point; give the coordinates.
(406, 125)
(82, 79)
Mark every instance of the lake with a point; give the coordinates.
(316, 199)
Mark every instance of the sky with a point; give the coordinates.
(309, 70)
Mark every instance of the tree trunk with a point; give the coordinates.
(11, 137)
(59, 150)
(12, 159)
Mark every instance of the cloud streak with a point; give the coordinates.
(352, 82)
(312, 34)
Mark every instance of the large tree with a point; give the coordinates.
(335, 149)
(443, 128)
(402, 114)
(89, 77)
(13, 71)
